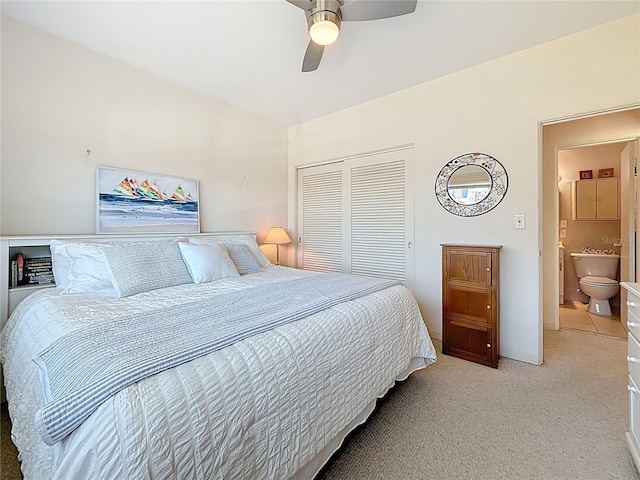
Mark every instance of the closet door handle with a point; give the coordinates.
(631, 324)
(632, 304)
(633, 359)
(632, 389)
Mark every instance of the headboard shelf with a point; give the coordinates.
(38, 246)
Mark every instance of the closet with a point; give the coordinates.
(355, 215)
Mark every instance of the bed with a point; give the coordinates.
(275, 401)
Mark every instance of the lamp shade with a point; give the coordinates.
(277, 236)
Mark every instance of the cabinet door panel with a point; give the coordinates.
(586, 199)
(469, 341)
(607, 198)
(469, 267)
(468, 303)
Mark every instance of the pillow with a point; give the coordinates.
(144, 266)
(243, 259)
(80, 267)
(247, 240)
(61, 263)
(207, 263)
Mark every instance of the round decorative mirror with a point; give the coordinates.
(471, 184)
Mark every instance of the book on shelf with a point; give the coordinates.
(38, 262)
(38, 270)
(39, 276)
(14, 273)
(41, 282)
(20, 265)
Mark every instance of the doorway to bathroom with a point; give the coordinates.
(593, 147)
(592, 181)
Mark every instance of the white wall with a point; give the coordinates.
(58, 99)
(495, 108)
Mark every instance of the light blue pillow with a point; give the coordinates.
(243, 259)
(144, 266)
(207, 263)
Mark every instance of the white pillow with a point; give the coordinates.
(207, 262)
(80, 267)
(247, 240)
(61, 263)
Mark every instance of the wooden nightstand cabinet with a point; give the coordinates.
(471, 302)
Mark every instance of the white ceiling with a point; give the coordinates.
(249, 53)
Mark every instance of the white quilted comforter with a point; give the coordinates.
(273, 406)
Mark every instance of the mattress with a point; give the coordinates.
(272, 406)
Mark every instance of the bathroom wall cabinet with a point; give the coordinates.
(633, 359)
(471, 302)
(596, 199)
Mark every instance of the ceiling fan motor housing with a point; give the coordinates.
(325, 10)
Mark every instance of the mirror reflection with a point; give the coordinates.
(469, 185)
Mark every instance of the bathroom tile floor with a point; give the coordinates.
(574, 316)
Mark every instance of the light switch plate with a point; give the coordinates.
(519, 221)
(563, 224)
(563, 233)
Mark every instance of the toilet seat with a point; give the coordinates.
(604, 281)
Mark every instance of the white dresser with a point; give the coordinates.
(633, 358)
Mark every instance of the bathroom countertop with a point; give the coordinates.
(632, 287)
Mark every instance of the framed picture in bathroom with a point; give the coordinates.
(586, 174)
(605, 172)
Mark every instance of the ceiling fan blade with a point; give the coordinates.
(312, 57)
(303, 4)
(377, 9)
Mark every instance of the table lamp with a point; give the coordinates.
(277, 236)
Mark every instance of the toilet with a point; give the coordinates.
(597, 273)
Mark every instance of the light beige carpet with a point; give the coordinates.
(459, 420)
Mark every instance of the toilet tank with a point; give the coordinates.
(596, 265)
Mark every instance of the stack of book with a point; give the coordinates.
(31, 271)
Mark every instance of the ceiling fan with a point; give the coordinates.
(324, 18)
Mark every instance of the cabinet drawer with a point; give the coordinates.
(633, 305)
(634, 357)
(633, 324)
(634, 419)
(469, 303)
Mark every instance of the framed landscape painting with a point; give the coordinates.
(138, 202)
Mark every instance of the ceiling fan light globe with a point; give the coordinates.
(324, 32)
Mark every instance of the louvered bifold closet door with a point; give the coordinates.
(379, 216)
(320, 203)
(356, 216)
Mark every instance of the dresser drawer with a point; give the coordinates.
(633, 324)
(633, 436)
(634, 357)
(633, 303)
